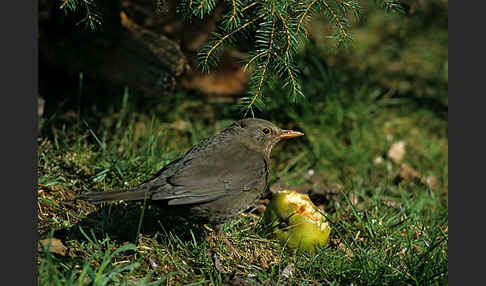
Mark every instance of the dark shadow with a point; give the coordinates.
(433, 104)
(121, 222)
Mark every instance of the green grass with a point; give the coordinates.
(386, 230)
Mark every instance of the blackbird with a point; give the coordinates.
(215, 180)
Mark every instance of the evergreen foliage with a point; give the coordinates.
(275, 30)
(92, 17)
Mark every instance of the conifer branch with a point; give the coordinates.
(248, 6)
(302, 18)
(234, 11)
(287, 31)
(393, 5)
(202, 4)
(254, 58)
(262, 77)
(260, 85)
(220, 41)
(92, 18)
(338, 21)
(353, 6)
(64, 4)
(295, 90)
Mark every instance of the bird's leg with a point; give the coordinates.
(215, 259)
(219, 230)
(233, 250)
(219, 227)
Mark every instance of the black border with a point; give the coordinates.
(19, 145)
(466, 200)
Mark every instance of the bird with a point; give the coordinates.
(216, 180)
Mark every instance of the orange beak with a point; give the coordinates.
(287, 134)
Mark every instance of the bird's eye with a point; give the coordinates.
(267, 131)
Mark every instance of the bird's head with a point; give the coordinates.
(261, 134)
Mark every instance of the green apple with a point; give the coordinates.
(296, 221)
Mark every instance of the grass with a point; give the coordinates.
(387, 228)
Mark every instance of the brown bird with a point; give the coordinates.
(215, 180)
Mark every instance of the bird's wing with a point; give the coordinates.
(211, 173)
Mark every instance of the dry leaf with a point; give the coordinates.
(408, 173)
(378, 160)
(56, 246)
(348, 251)
(431, 181)
(353, 198)
(288, 271)
(397, 151)
(180, 125)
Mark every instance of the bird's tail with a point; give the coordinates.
(127, 195)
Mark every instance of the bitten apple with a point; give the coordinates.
(296, 221)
